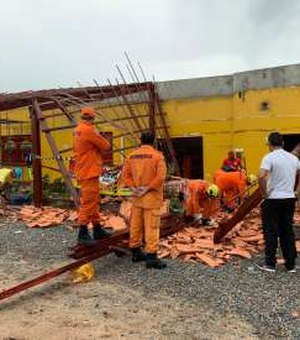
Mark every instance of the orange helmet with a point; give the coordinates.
(88, 111)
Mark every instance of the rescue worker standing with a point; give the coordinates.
(144, 173)
(88, 146)
(277, 180)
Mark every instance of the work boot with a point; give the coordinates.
(207, 222)
(138, 255)
(229, 210)
(84, 236)
(189, 219)
(99, 232)
(152, 261)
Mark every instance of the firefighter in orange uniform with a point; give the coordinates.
(144, 172)
(200, 196)
(88, 146)
(231, 185)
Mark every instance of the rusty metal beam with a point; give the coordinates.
(56, 153)
(59, 128)
(50, 168)
(152, 108)
(226, 225)
(127, 102)
(36, 159)
(10, 101)
(64, 110)
(52, 274)
(167, 133)
(106, 246)
(136, 131)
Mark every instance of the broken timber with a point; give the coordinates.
(226, 225)
(84, 255)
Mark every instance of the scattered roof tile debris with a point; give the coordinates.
(195, 244)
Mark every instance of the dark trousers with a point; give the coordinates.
(277, 219)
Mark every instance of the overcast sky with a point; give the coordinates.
(57, 43)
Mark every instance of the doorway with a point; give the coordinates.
(189, 154)
(290, 141)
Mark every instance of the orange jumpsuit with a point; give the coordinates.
(88, 145)
(197, 200)
(145, 167)
(231, 185)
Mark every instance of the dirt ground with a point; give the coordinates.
(128, 301)
(96, 310)
(101, 309)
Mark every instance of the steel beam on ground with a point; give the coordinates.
(228, 224)
(86, 255)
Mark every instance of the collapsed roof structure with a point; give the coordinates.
(128, 108)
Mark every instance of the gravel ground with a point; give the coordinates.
(186, 301)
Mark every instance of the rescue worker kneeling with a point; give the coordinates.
(200, 197)
(144, 173)
(88, 146)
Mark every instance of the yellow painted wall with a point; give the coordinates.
(251, 125)
(64, 138)
(235, 123)
(210, 118)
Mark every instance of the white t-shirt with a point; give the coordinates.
(283, 167)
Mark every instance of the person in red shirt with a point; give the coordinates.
(231, 163)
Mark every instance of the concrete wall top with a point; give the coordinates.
(282, 76)
(196, 87)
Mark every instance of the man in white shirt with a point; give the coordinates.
(277, 180)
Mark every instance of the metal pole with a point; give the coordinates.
(56, 153)
(36, 159)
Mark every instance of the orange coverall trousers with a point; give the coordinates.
(89, 207)
(145, 223)
(205, 206)
(197, 200)
(232, 185)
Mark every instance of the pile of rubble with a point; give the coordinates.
(47, 216)
(195, 244)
